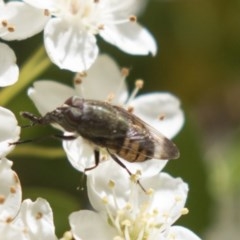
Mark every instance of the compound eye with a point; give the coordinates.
(69, 101)
(74, 102)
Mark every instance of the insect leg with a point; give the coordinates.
(115, 158)
(64, 137)
(58, 136)
(97, 160)
(21, 142)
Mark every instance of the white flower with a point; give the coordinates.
(10, 191)
(9, 131)
(26, 220)
(9, 70)
(104, 79)
(70, 35)
(124, 211)
(19, 220)
(18, 21)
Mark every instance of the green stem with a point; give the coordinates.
(42, 152)
(32, 68)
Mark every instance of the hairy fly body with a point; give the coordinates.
(111, 127)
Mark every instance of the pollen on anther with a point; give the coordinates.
(128, 206)
(78, 80)
(105, 200)
(184, 211)
(25, 230)
(139, 83)
(101, 27)
(12, 189)
(46, 12)
(4, 23)
(110, 97)
(126, 223)
(161, 117)
(178, 198)
(125, 72)
(9, 219)
(39, 215)
(67, 235)
(150, 191)
(82, 74)
(130, 109)
(133, 18)
(111, 184)
(11, 28)
(2, 199)
(103, 158)
(134, 178)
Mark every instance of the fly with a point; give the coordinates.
(111, 127)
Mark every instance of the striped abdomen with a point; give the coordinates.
(138, 145)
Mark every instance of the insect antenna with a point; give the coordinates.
(36, 120)
(33, 118)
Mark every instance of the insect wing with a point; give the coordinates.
(145, 140)
(164, 148)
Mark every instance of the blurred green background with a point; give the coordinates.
(199, 61)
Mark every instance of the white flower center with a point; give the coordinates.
(91, 15)
(138, 220)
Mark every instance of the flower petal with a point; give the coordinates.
(9, 70)
(130, 37)
(10, 192)
(88, 225)
(9, 130)
(98, 185)
(37, 217)
(151, 107)
(25, 20)
(9, 232)
(105, 72)
(43, 4)
(80, 154)
(68, 46)
(129, 7)
(172, 192)
(147, 168)
(182, 233)
(48, 95)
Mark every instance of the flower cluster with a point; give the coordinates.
(13, 26)
(19, 220)
(141, 206)
(124, 211)
(70, 33)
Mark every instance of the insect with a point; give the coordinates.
(111, 127)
